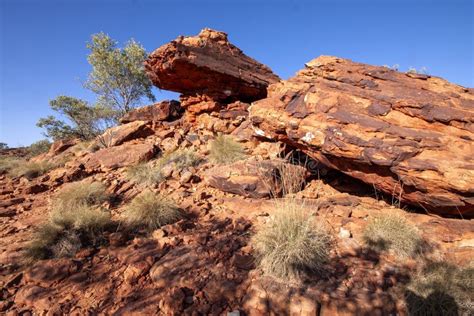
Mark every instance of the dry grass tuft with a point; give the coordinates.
(151, 172)
(151, 211)
(30, 169)
(441, 288)
(80, 193)
(224, 149)
(392, 232)
(7, 163)
(292, 242)
(75, 220)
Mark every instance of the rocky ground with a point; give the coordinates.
(204, 264)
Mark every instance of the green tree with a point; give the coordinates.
(3, 146)
(83, 120)
(118, 76)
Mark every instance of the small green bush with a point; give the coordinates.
(441, 288)
(224, 149)
(151, 211)
(392, 232)
(292, 242)
(39, 147)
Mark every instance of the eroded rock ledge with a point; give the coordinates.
(409, 135)
(208, 64)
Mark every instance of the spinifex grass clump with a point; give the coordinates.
(152, 172)
(392, 232)
(224, 149)
(441, 288)
(151, 211)
(76, 220)
(30, 169)
(293, 242)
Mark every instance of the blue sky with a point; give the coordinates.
(43, 53)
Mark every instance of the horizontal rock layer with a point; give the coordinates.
(208, 64)
(409, 135)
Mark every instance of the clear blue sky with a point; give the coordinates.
(43, 53)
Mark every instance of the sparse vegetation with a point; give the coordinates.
(7, 163)
(80, 193)
(39, 147)
(441, 288)
(224, 149)
(145, 173)
(392, 232)
(151, 172)
(151, 211)
(292, 242)
(30, 169)
(75, 220)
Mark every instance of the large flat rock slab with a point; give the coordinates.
(409, 135)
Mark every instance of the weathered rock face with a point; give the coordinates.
(208, 64)
(409, 135)
(119, 156)
(250, 178)
(120, 134)
(162, 111)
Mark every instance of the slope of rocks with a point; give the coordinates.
(409, 135)
(204, 263)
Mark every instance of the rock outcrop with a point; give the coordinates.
(120, 134)
(167, 110)
(409, 135)
(208, 64)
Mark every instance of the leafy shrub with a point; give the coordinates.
(30, 169)
(392, 232)
(441, 288)
(75, 220)
(224, 149)
(151, 211)
(151, 172)
(39, 148)
(292, 242)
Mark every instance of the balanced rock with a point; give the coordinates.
(208, 64)
(409, 135)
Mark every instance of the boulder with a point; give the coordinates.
(251, 178)
(119, 156)
(167, 110)
(122, 133)
(411, 136)
(208, 64)
(61, 145)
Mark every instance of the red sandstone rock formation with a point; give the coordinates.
(208, 64)
(409, 135)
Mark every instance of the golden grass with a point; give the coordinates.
(392, 232)
(292, 242)
(151, 211)
(224, 149)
